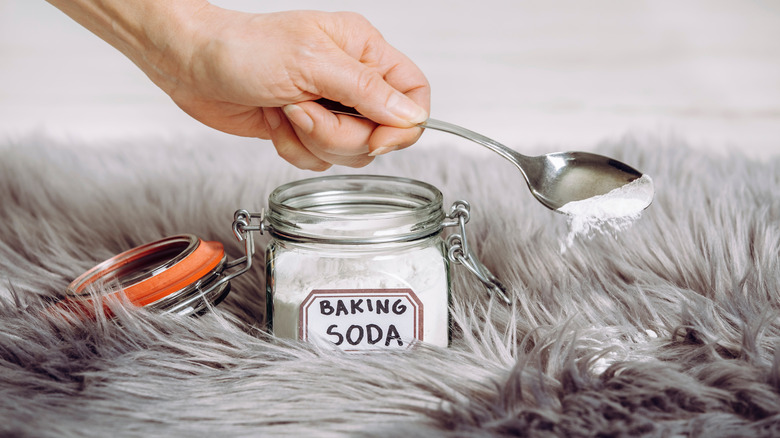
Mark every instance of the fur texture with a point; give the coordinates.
(669, 328)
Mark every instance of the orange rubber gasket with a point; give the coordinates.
(204, 259)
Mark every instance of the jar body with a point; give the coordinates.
(359, 297)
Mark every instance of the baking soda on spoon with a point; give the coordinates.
(608, 213)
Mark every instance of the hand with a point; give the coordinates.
(257, 74)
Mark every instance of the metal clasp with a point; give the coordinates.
(459, 251)
(242, 229)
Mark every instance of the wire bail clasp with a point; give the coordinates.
(459, 251)
(242, 223)
(242, 229)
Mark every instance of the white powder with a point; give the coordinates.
(422, 268)
(608, 213)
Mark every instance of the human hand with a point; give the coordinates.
(258, 74)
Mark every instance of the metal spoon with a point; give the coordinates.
(554, 179)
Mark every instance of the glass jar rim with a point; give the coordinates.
(355, 209)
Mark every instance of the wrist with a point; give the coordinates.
(153, 34)
(169, 34)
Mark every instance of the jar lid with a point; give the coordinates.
(178, 274)
(355, 209)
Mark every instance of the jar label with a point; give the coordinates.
(362, 319)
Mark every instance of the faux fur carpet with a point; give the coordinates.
(670, 328)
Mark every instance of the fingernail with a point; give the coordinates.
(299, 117)
(381, 151)
(272, 117)
(404, 108)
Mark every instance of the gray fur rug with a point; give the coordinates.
(669, 328)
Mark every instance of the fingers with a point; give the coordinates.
(315, 142)
(388, 139)
(369, 93)
(325, 131)
(287, 144)
(343, 139)
(373, 77)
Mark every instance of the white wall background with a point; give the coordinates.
(563, 74)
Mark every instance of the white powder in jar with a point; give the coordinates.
(419, 267)
(608, 213)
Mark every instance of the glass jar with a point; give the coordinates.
(358, 262)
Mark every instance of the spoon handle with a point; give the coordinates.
(515, 157)
(439, 125)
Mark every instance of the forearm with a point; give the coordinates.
(146, 31)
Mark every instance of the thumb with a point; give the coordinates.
(365, 89)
